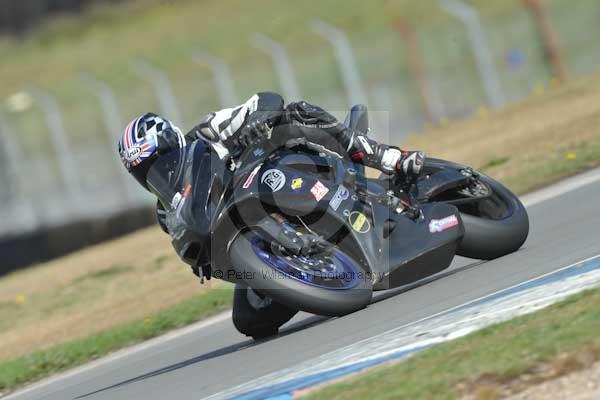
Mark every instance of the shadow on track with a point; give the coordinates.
(294, 327)
(301, 325)
(386, 294)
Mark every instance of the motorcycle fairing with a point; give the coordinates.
(396, 249)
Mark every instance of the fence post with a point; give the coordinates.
(162, 87)
(62, 146)
(481, 50)
(283, 66)
(222, 77)
(345, 58)
(430, 102)
(380, 115)
(550, 38)
(20, 204)
(113, 123)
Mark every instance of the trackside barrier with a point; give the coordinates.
(345, 57)
(162, 87)
(222, 77)
(481, 50)
(114, 125)
(283, 66)
(62, 147)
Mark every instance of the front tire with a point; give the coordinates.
(294, 293)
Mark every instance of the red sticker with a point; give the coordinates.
(187, 190)
(319, 190)
(251, 177)
(440, 225)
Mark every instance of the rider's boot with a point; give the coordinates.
(388, 159)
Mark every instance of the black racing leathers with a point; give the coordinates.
(265, 114)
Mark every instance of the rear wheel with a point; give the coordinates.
(495, 220)
(257, 315)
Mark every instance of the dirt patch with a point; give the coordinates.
(86, 292)
(580, 385)
(524, 145)
(568, 376)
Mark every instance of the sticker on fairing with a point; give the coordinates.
(250, 178)
(176, 200)
(187, 190)
(274, 179)
(179, 198)
(258, 152)
(359, 222)
(319, 190)
(297, 183)
(340, 195)
(440, 225)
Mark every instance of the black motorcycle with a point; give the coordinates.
(299, 228)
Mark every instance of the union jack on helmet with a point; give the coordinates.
(144, 139)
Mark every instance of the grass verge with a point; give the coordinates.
(495, 361)
(69, 354)
(59, 301)
(526, 145)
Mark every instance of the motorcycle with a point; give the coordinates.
(299, 228)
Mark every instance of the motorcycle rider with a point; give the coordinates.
(264, 115)
(232, 130)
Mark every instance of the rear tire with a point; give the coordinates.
(488, 238)
(258, 316)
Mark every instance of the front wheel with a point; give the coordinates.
(496, 222)
(331, 285)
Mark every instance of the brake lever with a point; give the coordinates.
(409, 187)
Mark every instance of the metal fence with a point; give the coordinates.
(67, 167)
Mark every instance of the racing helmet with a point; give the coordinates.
(144, 139)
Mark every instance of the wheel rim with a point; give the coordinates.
(479, 199)
(334, 271)
(487, 204)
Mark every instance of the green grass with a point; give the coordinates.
(561, 163)
(495, 162)
(109, 272)
(57, 358)
(556, 340)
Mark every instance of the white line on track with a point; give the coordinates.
(562, 187)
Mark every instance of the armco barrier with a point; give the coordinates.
(24, 250)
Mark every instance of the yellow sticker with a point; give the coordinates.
(359, 222)
(297, 183)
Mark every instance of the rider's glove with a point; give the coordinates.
(253, 132)
(411, 163)
(407, 163)
(388, 159)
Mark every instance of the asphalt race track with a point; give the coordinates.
(206, 359)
